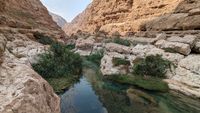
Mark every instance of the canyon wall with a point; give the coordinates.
(130, 16)
(22, 90)
(170, 28)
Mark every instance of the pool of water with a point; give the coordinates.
(81, 98)
(94, 95)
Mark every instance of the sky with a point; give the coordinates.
(68, 9)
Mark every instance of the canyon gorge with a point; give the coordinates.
(170, 28)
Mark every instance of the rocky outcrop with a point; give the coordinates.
(22, 90)
(197, 47)
(187, 76)
(85, 46)
(112, 47)
(107, 66)
(174, 46)
(130, 16)
(184, 77)
(29, 15)
(58, 19)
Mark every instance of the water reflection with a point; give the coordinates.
(81, 99)
(94, 95)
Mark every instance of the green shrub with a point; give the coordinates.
(70, 46)
(170, 50)
(43, 39)
(96, 57)
(58, 62)
(152, 66)
(120, 61)
(122, 41)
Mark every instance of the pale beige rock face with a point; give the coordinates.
(84, 47)
(192, 63)
(132, 54)
(197, 47)
(187, 76)
(146, 50)
(176, 46)
(107, 67)
(184, 78)
(24, 91)
(22, 47)
(113, 47)
(188, 39)
(85, 44)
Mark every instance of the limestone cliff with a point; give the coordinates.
(127, 16)
(58, 19)
(22, 90)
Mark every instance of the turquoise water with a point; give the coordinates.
(94, 95)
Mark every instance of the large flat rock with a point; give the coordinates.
(174, 46)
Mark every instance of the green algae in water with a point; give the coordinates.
(111, 98)
(153, 84)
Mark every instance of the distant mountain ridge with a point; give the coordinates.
(58, 19)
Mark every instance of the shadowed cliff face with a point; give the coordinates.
(136, 15)
(26, 14)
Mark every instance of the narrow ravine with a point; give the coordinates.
(93, 95)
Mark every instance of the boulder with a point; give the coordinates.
(196, 47)
(192, 63)
(187, 39)
(174, 46)
(142, 51)
(141, 40)
(113, 47)
(22, 47)
(161, 36)
(85, 44)
(107, 67)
